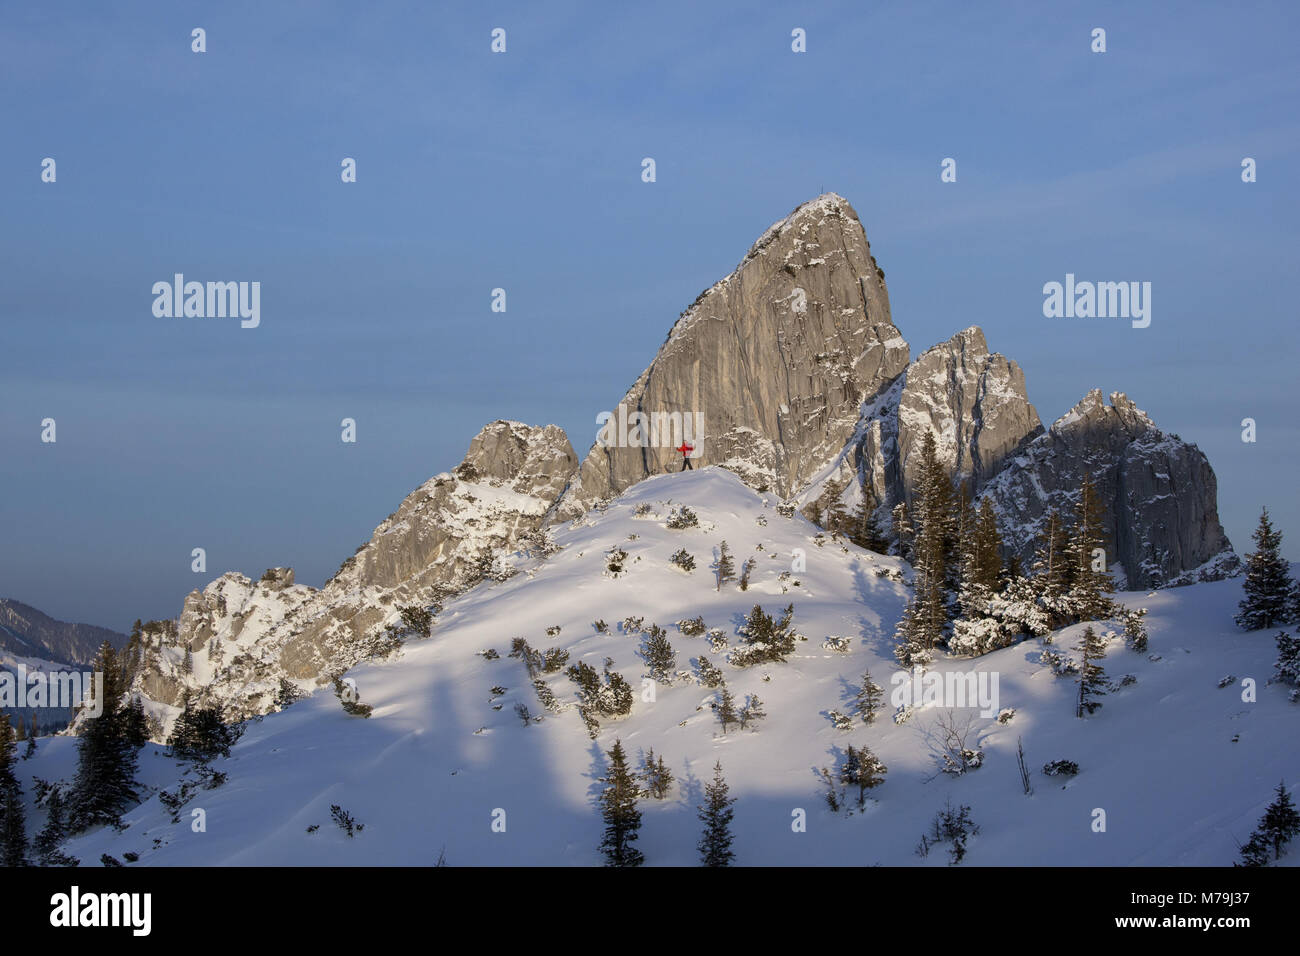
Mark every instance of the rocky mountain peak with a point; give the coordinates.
(773, 362)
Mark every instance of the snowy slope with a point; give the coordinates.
(435, 760)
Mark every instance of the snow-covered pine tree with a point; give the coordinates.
(54, 834)
(837, 519)
(926, 617)
(106, 754)
(1092, 678)
(1089, 585)
(618, 810)
(900, 525)
(868, 699)
(1268, 586)
(1051, 570)
(961, 539)
(200, 734)
(752, 711)
(716, 814)
(862, 769)
(659, 655)
(1281, 823)
(13, 825)
(726, 567)
(1287, 666)
(1135, 629)
(746, 570)
(978, 629)
(864, 530)
(766, 640)
(727, 709)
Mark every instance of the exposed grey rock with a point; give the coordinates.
(778, 358)
(1160, 492)
(432, 546)
(975, 404)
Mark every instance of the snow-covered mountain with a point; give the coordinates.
(1179, 762)
(27, 632)
(804, 390)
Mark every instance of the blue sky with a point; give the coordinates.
(522, 171)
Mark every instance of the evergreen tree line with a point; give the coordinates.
(104, 786)
(967, 597)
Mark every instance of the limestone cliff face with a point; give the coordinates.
(1160, 492)
(237, 638)
(777, 359)
(788, 372)
(972, 400)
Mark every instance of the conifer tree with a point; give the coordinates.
(106, 755)
(900, 524)
(864, 530)
(1281, 823)
(726, 567)
(656, 775)
(53, 835)
(1051, 578)
(870, 694)
(752, 711)
(1089, 585)
(983, 578)
(727, 709)
(862, 769)
(618, 810)
(1135, 629)
(767, 640)
(200, 734)
(716, 814)
(926, 617)
(1287, 666)
(1268, 586)
(13, 824)
(1092, 678)
(659, 655)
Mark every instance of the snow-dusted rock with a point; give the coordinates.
(1160, 492)
(777, 357)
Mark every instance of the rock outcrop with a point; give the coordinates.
(243, 636)
(972, 400)
(777, 359)
(790, 373)
(1160, 492)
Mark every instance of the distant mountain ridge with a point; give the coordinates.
(28, 632)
